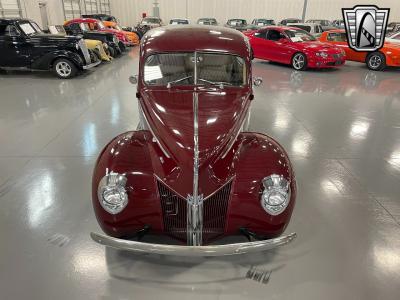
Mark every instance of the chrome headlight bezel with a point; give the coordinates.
(105, 45)
(115, 39)
(111, 186)
(276, 194)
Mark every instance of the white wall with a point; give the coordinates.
(129, 11)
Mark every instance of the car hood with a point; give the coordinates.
(171, 118)
(56, 37)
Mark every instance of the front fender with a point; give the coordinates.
(129, 154)
(45, 62)
(253, 157)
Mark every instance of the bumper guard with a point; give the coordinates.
(176, 250)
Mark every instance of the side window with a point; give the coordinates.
(11, 30)
(274, 35)
(262, 34)
(337, 37)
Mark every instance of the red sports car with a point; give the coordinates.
(191, 170)
(97, 25)
(291, 45)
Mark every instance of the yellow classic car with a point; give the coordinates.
(99, 48)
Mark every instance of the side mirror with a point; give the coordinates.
(133, 79)
(257, 81)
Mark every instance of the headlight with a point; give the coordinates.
(105, 45)
(77, 46)
(322, 54)
(112, 193)
(276, 194)
(115, 39)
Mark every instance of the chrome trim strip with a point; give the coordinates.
(199, 251)
(195, 202)
(152, 132)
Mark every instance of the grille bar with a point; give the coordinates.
(174, 209)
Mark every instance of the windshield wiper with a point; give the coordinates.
(219, 83)
(178, 80)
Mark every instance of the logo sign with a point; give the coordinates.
(365, 26)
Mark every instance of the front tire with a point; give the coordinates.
(299, 61)
(122, 46)
(64, 68)
(376, 61)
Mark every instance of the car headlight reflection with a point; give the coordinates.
(276, 194)
(322, 54)
(112, 194)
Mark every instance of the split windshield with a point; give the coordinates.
(169, 69)
(30, 28)
(299, 36)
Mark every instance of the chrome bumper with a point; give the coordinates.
(213, 250)
(89, 66)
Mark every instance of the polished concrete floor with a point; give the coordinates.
(340, 127)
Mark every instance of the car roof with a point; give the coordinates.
(208, 38)
(14, 19)
(305, 24)
(336, 31)
(89, 20)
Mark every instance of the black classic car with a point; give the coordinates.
(238, 24)
(23, 45)
(106, 37)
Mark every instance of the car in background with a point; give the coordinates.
(238, 24)
(388, 55)
(339, 24)
(295, 47)
(285, 22)
(207, 21)
(151, 22)
(179, 22)
(99, 49)
(311, 28)
(82, 29)
(101, 17)
(191, 171)
(393, 38)
(325, 24)
(393, 27)
(23, 45)
(132, 36)
(97, 25)
(258, 23)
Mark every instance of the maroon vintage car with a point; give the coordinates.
(190, 170)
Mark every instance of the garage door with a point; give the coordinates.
(72, 9)
(105, 7)
(10, 8)
(91, 6)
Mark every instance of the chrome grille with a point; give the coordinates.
(174, 212)
(85, 51)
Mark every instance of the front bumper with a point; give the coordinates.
(327, 62)
(89, 66)
(200, 251)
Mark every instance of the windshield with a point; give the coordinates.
(304, 27)
(178, 68)
(28, 28)
(237, 22)
(101, 25)
(151, 20)
(264, 22)
(299, 35)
